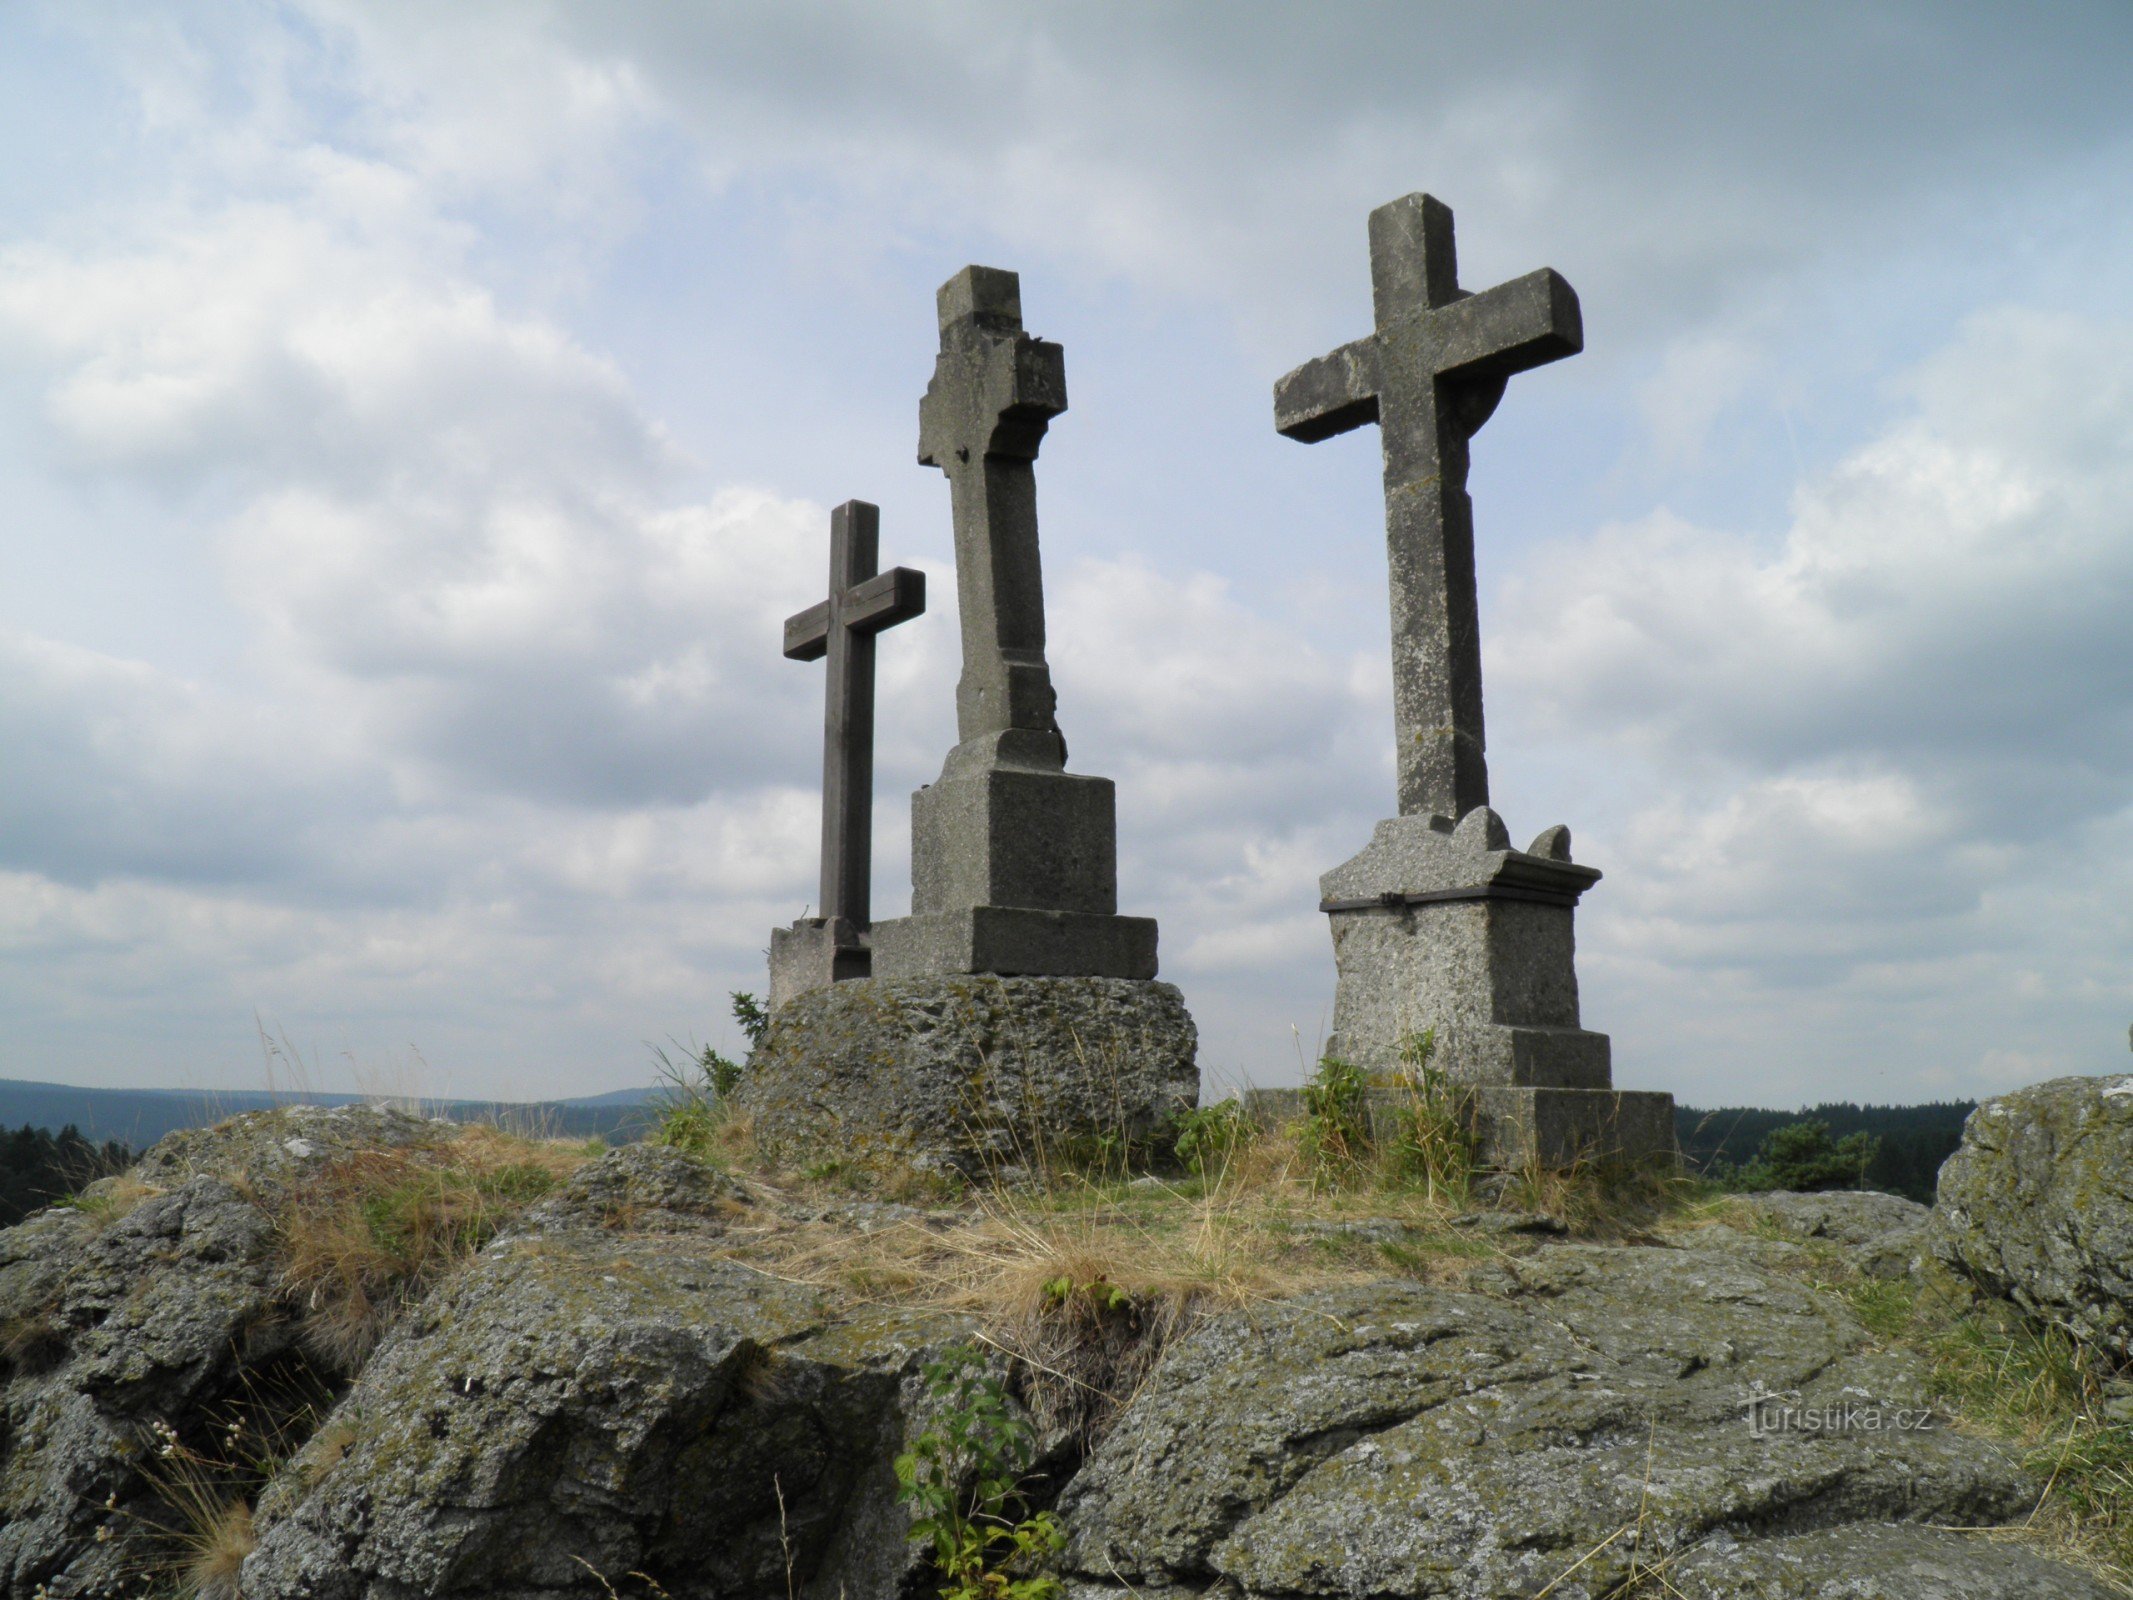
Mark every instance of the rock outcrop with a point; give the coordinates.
(623, 1394)
(153, 1300)
(600, 1397)
(976, 1074)
(2037, 1207)
(1570, 1421)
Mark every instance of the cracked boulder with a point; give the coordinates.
(2036, 1206)
(599, 1401)
(1573, 1423)
(151, 1302)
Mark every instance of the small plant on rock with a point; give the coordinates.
(1435, 1146)
(1335, 1131)
(1209, 1135)
(963, 1477)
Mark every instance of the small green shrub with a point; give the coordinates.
(1803, 1156)
(1209, 1135)
(1435, 1143)
(1335, 1132)
(963, 1476)
(752, 1016)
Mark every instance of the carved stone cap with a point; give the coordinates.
(988, 295)
(1430, 856)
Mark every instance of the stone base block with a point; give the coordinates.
(978, 1075)
(1560, 1128)
(812, 954)
(1013, 941)
(1514, 1128)
(1539, 1058)
(1003, 835)
(1494, 979)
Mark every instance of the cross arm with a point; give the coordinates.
(1336, 392)
(1513, 327)
(884, 600)
(807, 633)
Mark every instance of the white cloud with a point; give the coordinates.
(1864, 760)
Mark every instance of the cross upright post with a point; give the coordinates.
(1429, 374)
(995, 390)
(862, 602)
(1014, 860)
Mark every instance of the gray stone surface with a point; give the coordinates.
(158, 1302)
(1575, 1415)
(1005, 829)
(1520, 1127)
(598, 1395)
(1881, 1235)
(2036, 1205)
(971, 1073)
(863, 601)
(1012, 941)
(1438, 925)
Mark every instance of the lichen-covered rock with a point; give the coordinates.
(1881, 1235)
(973, 1074)
(152, 1300)
(2036, 1206)
(600, 1394)
(1571, 1417)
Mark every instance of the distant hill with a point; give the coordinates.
(139, 1117)
(1915, 1140)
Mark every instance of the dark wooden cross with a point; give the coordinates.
(862, 602)
(994, 392)
(1429, 375)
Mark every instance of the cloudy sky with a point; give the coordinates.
(416, 420)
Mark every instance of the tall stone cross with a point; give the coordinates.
(862, 602)
(994, 392)
(1429, 375)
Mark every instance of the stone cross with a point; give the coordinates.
(1429, 375)
(861, 603)
(994, 392)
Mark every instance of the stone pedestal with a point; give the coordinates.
(1014, 871)
(980, 1075)
(1447, 930)
(814, 953)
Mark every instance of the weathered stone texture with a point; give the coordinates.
(1581, 1408)
(599, 1394)
(1881, 1235)
(972, 1073)
(2037, 1206)
(157, 1302)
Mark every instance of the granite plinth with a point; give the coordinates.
(1448, 930)
(1015, 941)
(976, 1074)
(813, 953)
(1009, 835)
(1516, 1128)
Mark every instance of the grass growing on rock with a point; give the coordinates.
(1085, 1271)
(372, 1232)
(2035, 1389)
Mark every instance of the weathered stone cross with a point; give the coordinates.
(1429, 375)
(994, 392)
(861, 603)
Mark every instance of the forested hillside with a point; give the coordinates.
(1913, 1140)
(37, 1167)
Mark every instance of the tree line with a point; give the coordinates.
(38, 1167)
(1835, 1145)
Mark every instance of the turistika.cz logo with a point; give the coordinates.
(1784, 1413)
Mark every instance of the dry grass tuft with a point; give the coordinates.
(108, 1199)
(217, 1555)
(372, 1232)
